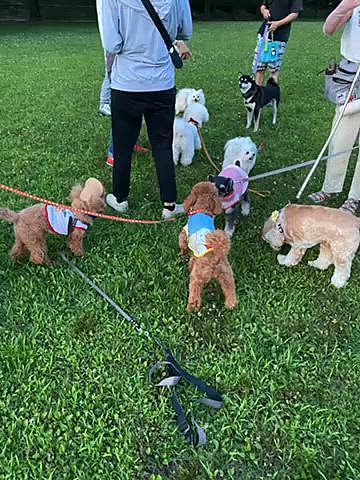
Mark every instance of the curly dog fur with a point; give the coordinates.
(215, 264)
(304, 226)
(31, 227)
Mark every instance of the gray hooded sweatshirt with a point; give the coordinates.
(142, 62)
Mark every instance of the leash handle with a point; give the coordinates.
(190, 429)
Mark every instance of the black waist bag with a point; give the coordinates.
(174, 54)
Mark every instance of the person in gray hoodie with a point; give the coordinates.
(143, 85)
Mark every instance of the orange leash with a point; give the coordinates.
(208, 156)
(85, 212)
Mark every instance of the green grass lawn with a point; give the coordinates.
(75, 400)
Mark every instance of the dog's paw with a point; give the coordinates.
(231, 304)
(78, 252)
(338, 281)
(317, 264)
(229, 231)
(193, 307)
(245, 209)
(282, 260)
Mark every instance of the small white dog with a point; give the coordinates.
(240, 151)
(232, 182)
(187, 96)
(186, 141)
(196, 112)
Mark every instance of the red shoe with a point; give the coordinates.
(139, 149)
(110, 161)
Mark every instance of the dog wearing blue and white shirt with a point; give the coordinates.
(209, 246)
(32, 224)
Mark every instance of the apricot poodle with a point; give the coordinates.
(209, 247)
(304, 226)
(32, 224)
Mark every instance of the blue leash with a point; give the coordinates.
(187, 426)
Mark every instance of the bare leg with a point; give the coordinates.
(292, 258)
(260, 77)
(275, 76)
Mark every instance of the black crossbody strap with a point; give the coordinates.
(175, 57)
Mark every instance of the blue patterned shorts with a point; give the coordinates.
(273, 67)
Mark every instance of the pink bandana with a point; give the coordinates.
(241, 182)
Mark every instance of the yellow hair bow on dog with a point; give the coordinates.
(275, 215)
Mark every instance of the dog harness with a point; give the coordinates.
(197, 228)
(62, 222)
(241, 182)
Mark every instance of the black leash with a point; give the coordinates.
(188, 426)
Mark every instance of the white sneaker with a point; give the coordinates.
(178, 210)
(105, 110)
(121, 207)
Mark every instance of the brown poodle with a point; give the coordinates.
(210, 247)
(32, 224)
(304, 226)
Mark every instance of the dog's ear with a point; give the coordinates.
(96, 204)
(75, 192)
(190, 201)
(211, 178)
(217, 205)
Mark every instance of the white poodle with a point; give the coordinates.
(197, 113)
(186, 141)
(187, 96)
(240, 151)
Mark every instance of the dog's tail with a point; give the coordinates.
(219, 242)
(8, 215)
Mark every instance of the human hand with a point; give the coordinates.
(183, 50)
(274, 25)
(265, 12)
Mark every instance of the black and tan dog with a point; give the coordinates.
(256, 97)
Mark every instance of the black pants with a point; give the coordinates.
(127, 110)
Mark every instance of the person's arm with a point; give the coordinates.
(339, 16)
(280, 23)
(184, 31)
(112, 39)
(185, 27)
(265, 12)
(296, 7)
